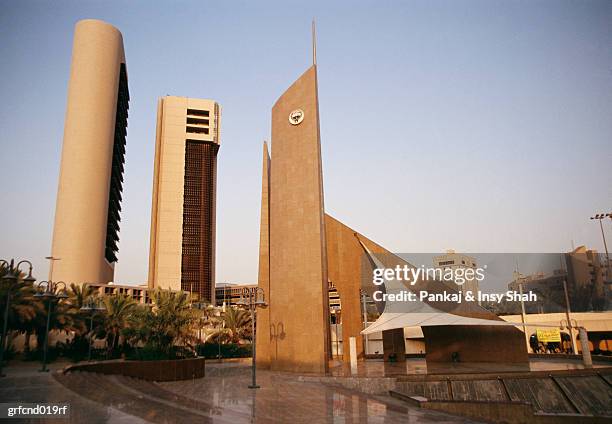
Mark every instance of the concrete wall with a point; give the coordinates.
(475, 344)
(164, 370)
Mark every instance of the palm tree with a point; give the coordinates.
(237, 326)
(166, 323)
(119, 309)
(62, 319)
(24, 306)
(27, 309)
(78, 296)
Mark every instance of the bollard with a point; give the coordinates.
(584, 343)
(353, 354)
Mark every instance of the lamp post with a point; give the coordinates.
(252, 298)
(201, 306)
(51, 260)
(10, 278)
(49, 293)
(92, 307)
(570, 327)
(523, 318)
(364, 306)
(600, 217)
(220, 325)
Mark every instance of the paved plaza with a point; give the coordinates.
(222, 397)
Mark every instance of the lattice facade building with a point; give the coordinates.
(182, 249)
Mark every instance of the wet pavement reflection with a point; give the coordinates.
(24, 383)
(223, 395)
(282, 398)
(378, 368)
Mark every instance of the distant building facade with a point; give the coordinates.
(584, 274)
(87, 214)
(587, 272)
(183, 214)
(548, 288)
(453, 260)
(229, 294)
(140, 294)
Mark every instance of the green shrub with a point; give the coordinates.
(152, 353)
(53, 353)
(10, 352)
(229, 350)
(76, 350)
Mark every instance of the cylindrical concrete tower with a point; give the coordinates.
(86, 227)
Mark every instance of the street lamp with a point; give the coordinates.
(252, 298)
(600, 217)
(570, 326)
(201, 306)
(51, 260)
(10, 278)
(220, 325)
(49, 293)
(92, 307)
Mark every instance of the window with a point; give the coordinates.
(198, 112)
(198, 121)
(197, 130)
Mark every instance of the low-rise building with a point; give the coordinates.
(228, 294)
(139, 293)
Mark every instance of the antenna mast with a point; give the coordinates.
(314, 43)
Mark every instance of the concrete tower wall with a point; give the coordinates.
(80, 231)
(298, 295)
(264, 332)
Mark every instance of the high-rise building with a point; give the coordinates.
(85, 233)
(182, 249)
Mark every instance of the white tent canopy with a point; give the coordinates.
(393, 320)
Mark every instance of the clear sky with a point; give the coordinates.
(483, 126)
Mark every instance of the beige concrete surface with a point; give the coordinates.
(79, 233)
(263, 332)
(298, 295)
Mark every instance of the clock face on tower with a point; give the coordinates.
(296, 117)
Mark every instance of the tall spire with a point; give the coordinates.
(314, 43)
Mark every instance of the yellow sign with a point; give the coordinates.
(549, 335)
